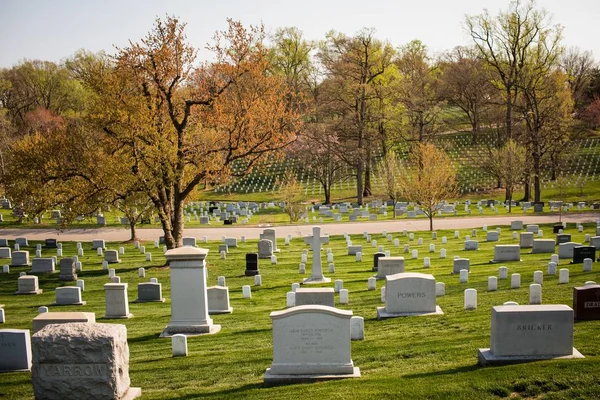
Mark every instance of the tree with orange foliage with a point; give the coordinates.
(177, 124)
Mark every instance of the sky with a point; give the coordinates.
(53, 30)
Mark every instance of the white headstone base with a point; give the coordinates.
(486, 358)
(275, 380)
(382, 313)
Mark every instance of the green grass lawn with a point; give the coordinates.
(431, 357)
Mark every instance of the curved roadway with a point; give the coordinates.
(252, 232)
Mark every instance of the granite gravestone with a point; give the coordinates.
(562, 238)
(389, 266)
(407, 294)
(310, 343)
(376, 258)
(586, 302)
(526, 240)
(582, 252)
(269, 234)
(149, 292)
(265, 248)
(68, 296)
(67, 270)
(315, 296)
(507, 252)
(81, 361)
(251, 264)
(42, 266)
(189, 303)
(15, 348)
(28, 284)
(529, 333)
(218, 300)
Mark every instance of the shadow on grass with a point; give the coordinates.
(452, 371)
(222, 393)
(145, 338)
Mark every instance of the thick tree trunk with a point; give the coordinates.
(132, 223)
(537, 190)
(508, 112)
(431, 221)
(526, 192)
(327, 191)
(178, 223)
(367, 189)
(359, 183)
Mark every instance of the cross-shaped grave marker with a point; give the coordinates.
(315, 242)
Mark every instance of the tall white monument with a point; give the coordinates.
(189, 301)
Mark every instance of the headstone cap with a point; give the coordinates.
(186, 253)
(310, 309)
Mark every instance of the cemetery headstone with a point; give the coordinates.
(251, 264)
(189, 305)
(68, 296)
(407, 294)
(76, 361)
(310, 343)
(149, 292)
(580, 253)
(218, 300)
(67, 270)
(16, 350)
(42, 266)
(529, 333)
(389, 266)
(507, 252)
(315, 296)
(28, 284)
(586, 302)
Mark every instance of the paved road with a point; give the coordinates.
(252, 232)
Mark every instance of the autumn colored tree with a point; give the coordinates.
(431, 183)
(181, 124)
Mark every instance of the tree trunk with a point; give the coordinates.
(367, 189)
(526, 192)
(509, 198)
(508, 112)
(132, 223)
(178, 222)
(537, 190)
(171, 219)
(359, 183)
(327, 191)
(431, 221)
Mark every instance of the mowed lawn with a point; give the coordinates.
(433, 357)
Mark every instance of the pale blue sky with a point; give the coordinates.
(55, 29)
